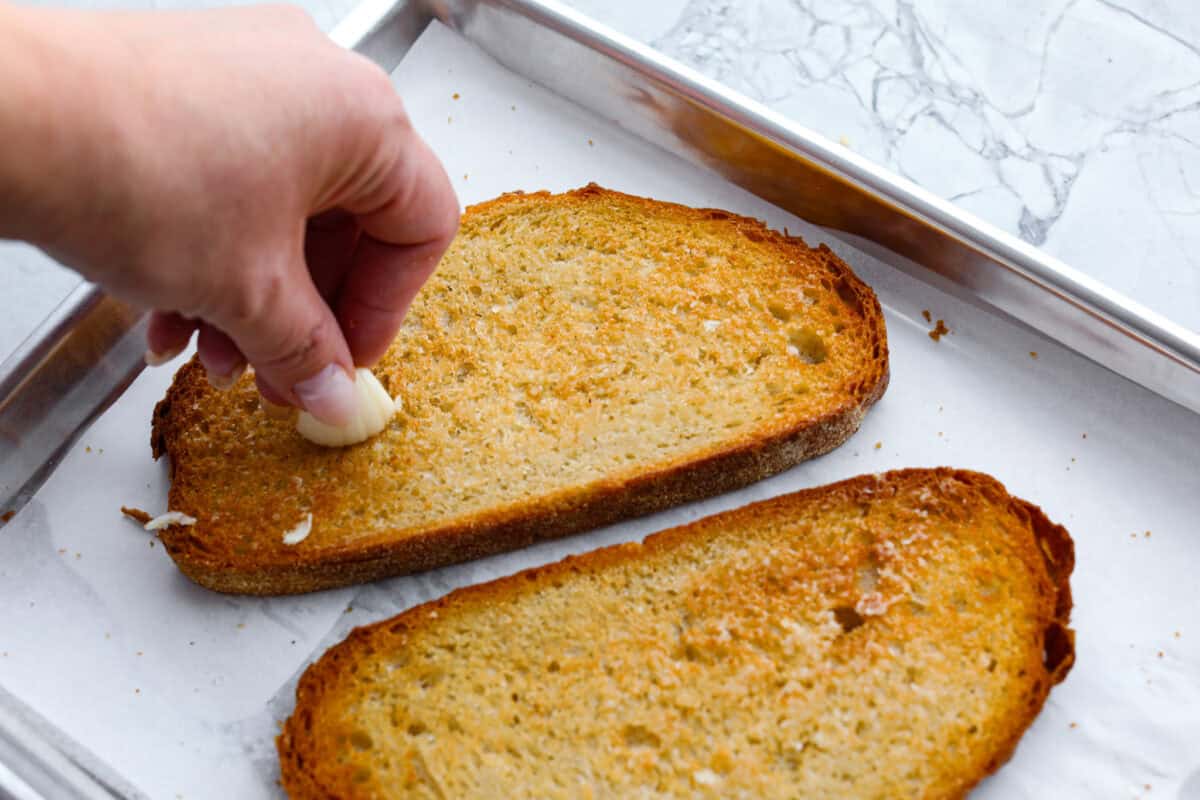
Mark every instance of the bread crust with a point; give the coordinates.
(201, 555)
(1048, 553)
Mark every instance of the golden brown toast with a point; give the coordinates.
(887, 636)
(576, 359)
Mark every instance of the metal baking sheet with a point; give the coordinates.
(178, 691)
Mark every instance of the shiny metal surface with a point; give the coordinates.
(797, 170)
(31, 768)
(57, 382)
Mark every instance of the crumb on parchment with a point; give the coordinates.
(136, 514)
(939, 330)
(928, 317)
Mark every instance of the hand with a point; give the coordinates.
(238, 172)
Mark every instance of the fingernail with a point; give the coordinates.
(225, 382)
(154, 359)
(329, 395)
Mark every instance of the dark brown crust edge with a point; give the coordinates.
(488, 533)
(295, 744)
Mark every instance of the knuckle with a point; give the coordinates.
(376, 96)
(297, 356)
(245, 302)
(373, 77)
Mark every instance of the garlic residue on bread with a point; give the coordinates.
(299, 533)
(168, 519)
(375, 408)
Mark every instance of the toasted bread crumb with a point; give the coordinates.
(1033, 354)
(7, 515)
(136, 514)
(925, 313)
(939, 331)
(878, 445)
(455, 96)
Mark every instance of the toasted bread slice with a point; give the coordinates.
(575, 360)
(887, 636)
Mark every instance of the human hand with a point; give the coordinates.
(244, 176)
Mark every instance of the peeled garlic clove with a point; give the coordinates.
(375, 408)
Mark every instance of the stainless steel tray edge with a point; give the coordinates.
(798, 170)
(54, 385)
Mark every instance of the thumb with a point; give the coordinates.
(289, 335)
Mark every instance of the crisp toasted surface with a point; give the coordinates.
(576, 359)
(887, 636)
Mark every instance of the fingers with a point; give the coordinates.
(281, 324)
(328, 247)
(378, 291)
(403, 239)
(167, 336)
(270, 395)
(223, 361)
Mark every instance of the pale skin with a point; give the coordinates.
(233, 170)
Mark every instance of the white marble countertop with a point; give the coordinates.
(1072, 123)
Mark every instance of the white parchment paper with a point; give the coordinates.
(181, 690)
